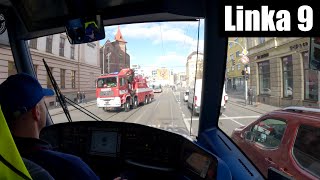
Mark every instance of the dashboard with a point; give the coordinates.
(133, 151)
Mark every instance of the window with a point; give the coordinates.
(237, 54)
(236, 39)
(33, 43)
(72, 51)
(120, 58)
(307, 147)
(61, 46)
(232, 68)
(35, 69)
(62, 78)
(310, 79)
(49, 44)
(49, 84)
(230, 45)
(239, 66)
(287, 69)
(107, 82)
(11, 68)
(269, 132)
(264, 77)
(231, 57)
(122, 82)
(261, 40)
(73, 79)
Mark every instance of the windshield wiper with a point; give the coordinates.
(63, 100)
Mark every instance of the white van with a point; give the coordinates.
(196, 95)
(194, 98)
(224, 100)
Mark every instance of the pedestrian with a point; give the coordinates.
(57, 101)
(250, 96)
(81, 97)
(78, 97)
(84, 97)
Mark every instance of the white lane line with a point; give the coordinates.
(233, 120)
(187, 125)
(241, 117)
(193, 119)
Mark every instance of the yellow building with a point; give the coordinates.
(234, 65)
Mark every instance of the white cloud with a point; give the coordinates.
(160, 32)
(172, 59)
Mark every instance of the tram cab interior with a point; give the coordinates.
(146, 151)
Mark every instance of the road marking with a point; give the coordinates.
(241, 117)
(193, 119)
(187, 125)
(233, 120)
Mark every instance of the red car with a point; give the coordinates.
(287, 139)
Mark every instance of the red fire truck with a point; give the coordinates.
(122, 90)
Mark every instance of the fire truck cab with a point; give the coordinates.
(122, 90)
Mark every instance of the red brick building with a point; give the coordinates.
(115, 54)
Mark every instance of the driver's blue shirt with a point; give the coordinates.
(59, 165)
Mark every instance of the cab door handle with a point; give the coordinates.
(285, 170)
(269, 160)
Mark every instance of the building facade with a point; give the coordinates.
(280, 73)
(115, 55)
(235, 80)
(74, 67)
(194, 68)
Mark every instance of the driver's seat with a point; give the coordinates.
(12, 166)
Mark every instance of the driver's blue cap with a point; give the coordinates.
(19, 93)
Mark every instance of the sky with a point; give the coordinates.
(165, 44)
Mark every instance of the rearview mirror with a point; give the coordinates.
(248, 135)
(85, 30)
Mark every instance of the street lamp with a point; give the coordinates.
(244, 61)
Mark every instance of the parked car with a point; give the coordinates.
(266, 91)
(186, 96)
(286, 139)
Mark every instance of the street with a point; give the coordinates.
(168, 111)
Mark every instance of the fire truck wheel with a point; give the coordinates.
(105, 109)
(135, 103)
(150, 99)
(146, 100)
(127, 106)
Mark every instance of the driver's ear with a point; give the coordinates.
(36, 112)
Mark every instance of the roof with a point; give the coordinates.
(118, 36)
(49, 16)
(301, 112)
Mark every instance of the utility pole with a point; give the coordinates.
(246, 77)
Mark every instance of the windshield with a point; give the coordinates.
(262, 75)
(107, 82)
(156, 86)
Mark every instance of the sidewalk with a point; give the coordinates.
(59, 110)
(257, 107)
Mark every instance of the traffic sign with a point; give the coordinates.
(244, 59)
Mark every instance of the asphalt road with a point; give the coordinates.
(168, 111)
